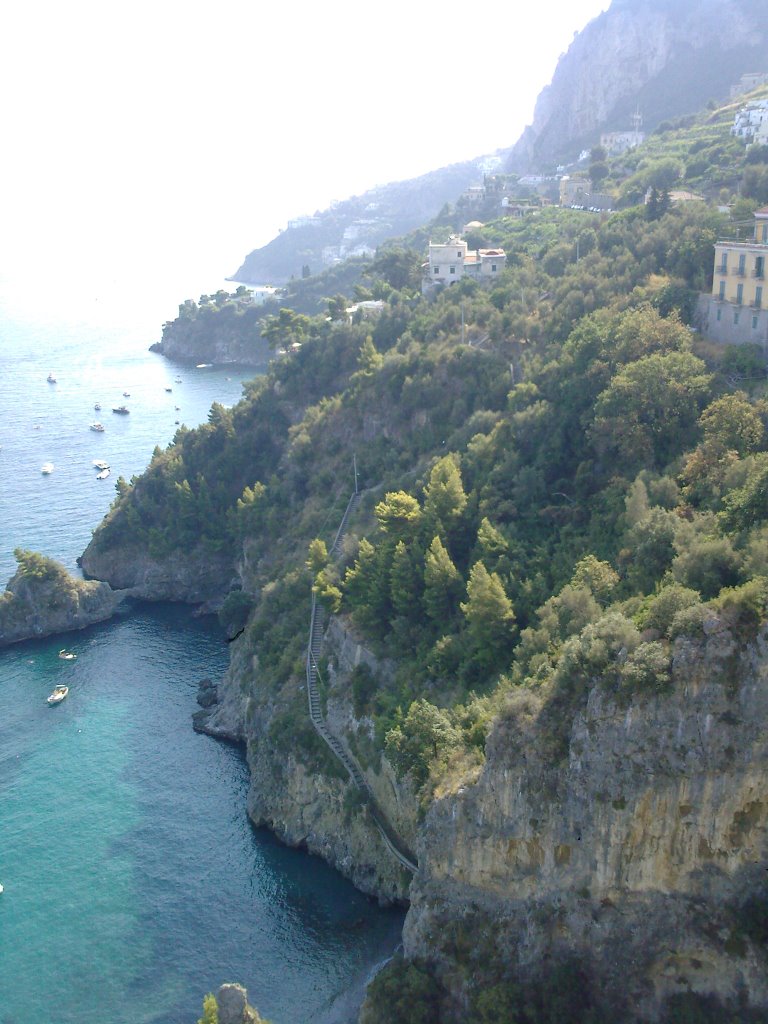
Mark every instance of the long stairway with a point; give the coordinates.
(391, 839)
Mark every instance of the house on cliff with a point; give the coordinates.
(451, 261)
(735, 312)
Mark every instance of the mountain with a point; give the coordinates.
(664, 58)
(356, 226)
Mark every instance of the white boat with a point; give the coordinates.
(98, 427)
(47, 468)
(58, 695)
(103, 474)
(121, 409)
(203, 366)
(66, 655)
(100, 464)
(51, 379)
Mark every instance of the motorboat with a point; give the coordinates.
(97, 407)
(51, 379)
(66, 655)
(103, 474)
(126, 394)
(47, 468)
(203, 366)
(169, 390)
(121, 409)
(98, 427)
(100, 464)
(58, 695)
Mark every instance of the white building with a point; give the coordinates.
(749, 121)
(615, 143)
(451, 261)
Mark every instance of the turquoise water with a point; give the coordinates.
(134, 882)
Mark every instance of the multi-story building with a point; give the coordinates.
(737, 309)
(451, 261)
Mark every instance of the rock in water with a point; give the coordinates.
(233, 1006)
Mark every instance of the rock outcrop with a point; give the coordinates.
(296, 788)
(199, 576)
(634, 853)
(664, 58)
(214, 339)
(33, 607)
(232, 1001)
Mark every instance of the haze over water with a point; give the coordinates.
(134, 882)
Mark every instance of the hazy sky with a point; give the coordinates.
(187, 133)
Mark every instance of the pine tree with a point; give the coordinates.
(444, 497)
(489, 616)
(405, 583)
(442, 582)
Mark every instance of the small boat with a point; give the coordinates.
(100, 464)
(177, 380)
(103, 474)
(121, 409)
(98, 427)
(66, 655)
(58, 695)
(203, 366)
(51, 379)
(126, 394)
(47, 468)
(169, 390)
(97, 407)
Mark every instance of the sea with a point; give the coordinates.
(134, 882)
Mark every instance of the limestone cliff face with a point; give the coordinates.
(297, 790)
(632, 852)
(213, 339)
(665, 58)
(197, 577)
(32, 608)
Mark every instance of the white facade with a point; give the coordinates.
(615, 143)
(751, 119)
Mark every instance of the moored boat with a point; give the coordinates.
(51, 379)
(98, 427)
(67, 655)
(121, 409)
(47, 468)
(103, 474)
(58, 695)
(100, 464)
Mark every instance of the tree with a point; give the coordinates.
(489, 614)
(424, 734)
(599, 577)
(406, 583)
(442, 582)
(337, 307)
(648, 412)
(210, 1010)
(399, 267)
(285, 329)
(444, 497)
(318, 556)
(733, 421)
(369, 360)
(399, 513)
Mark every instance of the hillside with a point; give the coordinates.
(361, 222)
(543, 636)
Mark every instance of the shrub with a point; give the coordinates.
(708, 565)
(689, 622)
(402, 993)
(746, 605)
(660, 611)
(646, 669)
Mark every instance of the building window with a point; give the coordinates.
(759, 267)
(736, 318)
(765, 232)
(437, 270)
(458, 255)
(739, 294)
(724, 263)
(493, 268)
(453, 270)
(758, 296)
(721, 293)
(742, 263)
(719, 312)
(754, 323)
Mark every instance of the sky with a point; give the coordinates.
(167, 139)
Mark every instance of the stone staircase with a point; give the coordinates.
(317, 624)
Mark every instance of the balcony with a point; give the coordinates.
(756, 304)
(758, 274)
(737, 300)
(739, 271)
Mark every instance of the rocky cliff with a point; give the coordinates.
(296, 788)
(198, 577)
(636, 852)
(34, 607)
(664, 58)
(214, 339)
